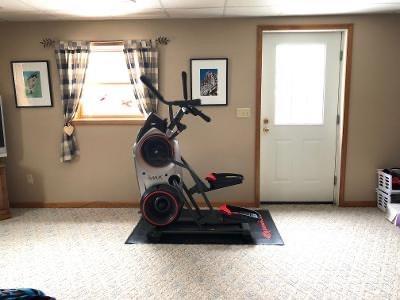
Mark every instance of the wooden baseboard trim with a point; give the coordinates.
(4, 214)
(5, 217)
(358, 204)
(105, 204)
(100, 204)
(250, 204)
(295, 203)
(75, 205)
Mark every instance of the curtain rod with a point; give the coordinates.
(50, 43)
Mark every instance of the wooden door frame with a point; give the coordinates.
(348, 29)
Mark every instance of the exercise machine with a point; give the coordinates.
(167, 202)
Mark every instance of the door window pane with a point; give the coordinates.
(300, 84)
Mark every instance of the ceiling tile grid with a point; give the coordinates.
(39, 10)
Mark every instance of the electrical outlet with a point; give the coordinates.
(29, 178)
(243, 112)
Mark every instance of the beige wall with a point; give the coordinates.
(105, 170)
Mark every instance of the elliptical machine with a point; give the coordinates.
(167, 202)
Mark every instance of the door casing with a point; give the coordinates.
(344, 97)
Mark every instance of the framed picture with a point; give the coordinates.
(209, 80)
(32, 83)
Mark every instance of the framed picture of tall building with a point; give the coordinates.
(209, 80)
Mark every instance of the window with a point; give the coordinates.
(300, 84)
(107, 92)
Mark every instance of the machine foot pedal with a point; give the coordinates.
(239, 213)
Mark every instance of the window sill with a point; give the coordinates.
(108, 121)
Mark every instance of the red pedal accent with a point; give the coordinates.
(266, 233)
(211, 177)
(225, 210)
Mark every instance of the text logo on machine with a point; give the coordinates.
(155, 177)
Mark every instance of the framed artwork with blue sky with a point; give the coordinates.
(209, 80)
(32, 83)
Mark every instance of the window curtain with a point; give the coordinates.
(142, 59)
(72, 59)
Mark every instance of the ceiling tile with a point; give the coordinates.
(250, 11)
(288, 8)
(143, 14)
(161, 15)
(192, 3)
(22, 10)
(14, 5)
(336, 8)
(247, 3)
(195, 13)
(26, 16)
(307, 3)
(95, 7)
(382, 1)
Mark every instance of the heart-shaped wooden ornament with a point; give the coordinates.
(69, 129)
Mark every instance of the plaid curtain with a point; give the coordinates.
(142, 59)
(72, 59)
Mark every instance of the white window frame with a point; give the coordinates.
(81, 119)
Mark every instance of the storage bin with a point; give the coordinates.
(385, 183)
(384, 199)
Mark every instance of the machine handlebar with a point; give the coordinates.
(189, 104)
(199, 113)
(151, 87)
(181, 103)
(184, 103)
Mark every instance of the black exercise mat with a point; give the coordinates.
(260, 234)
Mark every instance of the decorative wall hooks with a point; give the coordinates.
(162, 40)
(48, 43)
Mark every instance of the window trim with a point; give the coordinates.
(79, 120)
(112, 120)
(107, 121)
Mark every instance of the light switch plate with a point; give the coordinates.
(243, 112)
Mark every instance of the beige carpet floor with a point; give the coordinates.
(330, 253)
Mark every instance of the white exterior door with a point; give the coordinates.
(299, 107)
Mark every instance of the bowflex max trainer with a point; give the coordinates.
(167, 202)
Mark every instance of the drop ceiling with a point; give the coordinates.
(41, 10)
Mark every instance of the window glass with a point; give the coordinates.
(108, 91)
(300, 84)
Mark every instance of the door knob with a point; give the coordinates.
(265, 128)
